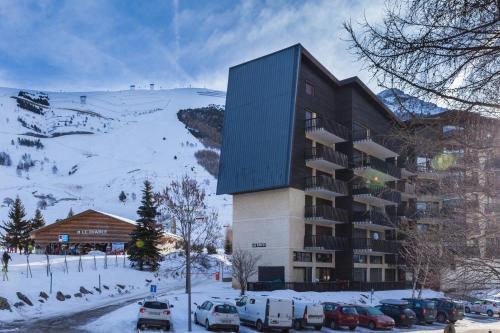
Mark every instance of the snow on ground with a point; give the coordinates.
(124, 319)
(69, 283)
(135, 136)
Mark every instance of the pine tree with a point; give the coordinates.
(16, 229)
(143, 248)
(122, 197)
(70, 213)
(38, 221)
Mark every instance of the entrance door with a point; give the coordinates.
(271, 273)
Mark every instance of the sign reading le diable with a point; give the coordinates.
(92, 232)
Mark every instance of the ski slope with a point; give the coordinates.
(135, 135)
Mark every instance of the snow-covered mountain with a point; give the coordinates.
(59, 152)
(406, 106)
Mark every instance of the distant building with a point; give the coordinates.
(83, 100)
(132, 87)
(151, 86)
(91, 230)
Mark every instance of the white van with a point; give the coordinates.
(307, 314)
(266, 312)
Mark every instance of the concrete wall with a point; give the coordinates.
(274, 217)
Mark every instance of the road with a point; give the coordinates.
(70, 323)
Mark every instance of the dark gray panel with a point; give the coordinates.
(258, 123)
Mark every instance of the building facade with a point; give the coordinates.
(316, 171)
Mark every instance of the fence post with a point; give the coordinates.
(99, 283)
(95, 264)
(50, 282)
(66, 270)
(106, 261)
(80, 265)
(28, 267)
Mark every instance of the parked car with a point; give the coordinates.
(373, 318)
(153, 313)
(266, 312)
(488, 306)
(398, 310)
(448, 310)
(424, 309)
(216, 314)
(306, 314)
(337, 315)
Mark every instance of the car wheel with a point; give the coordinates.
(196, 320)
(489, 313)
(441, 318)
(259, 326)
(237, 330)
(352, 328)
(467, 309)
(333, 325)
(285, 330)
(371, 325)
(317, 328)
(207, 325)
(297, 325)
(453, 321)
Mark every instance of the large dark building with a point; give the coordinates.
(315, 170)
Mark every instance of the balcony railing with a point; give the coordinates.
(325, 242)
(363, 161)
(380, 192)
(384, 146)
(408, 212)
(332, 158)
(338, 285)
(328, 213)
(319, 123)
(407, 188)
(326, 183)
(374, 217)
(427, 213)
(408, 165)
(376, 245)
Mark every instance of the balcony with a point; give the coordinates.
(375, 245)
(407, 212)
(379, 196)
(393, 260)
(326, 132)
(407, 167)
(373, 218)
(426, 171)
(325, 187)
(372, 143)
(407, 190)
(325, 159)
(326, 214)
(325, 242)
(370, 167)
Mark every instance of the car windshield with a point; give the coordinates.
(349, 310)
(156, 305)
(459, 306)
(226, 308)
(374, 312)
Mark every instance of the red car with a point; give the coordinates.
(373, 318)
(337, 315)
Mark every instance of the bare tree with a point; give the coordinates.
(436, 50)
(183, 204)
(244, 266)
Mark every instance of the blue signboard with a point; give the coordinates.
(153, 288)
(63, 238)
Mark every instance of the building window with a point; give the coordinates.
(302, 274)
(324, 257)
(390, 275)
(359, 274)
(375, 260)
(302, 256)
(375, 274)
(324, 274)
(309, 89)
(359, 259)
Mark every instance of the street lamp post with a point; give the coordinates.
(188, 268)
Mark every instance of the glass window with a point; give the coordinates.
(390, 275)
(359, 259)
(226, 308)
(375, 274)
(359, 274)
(375, 259)
(302, 256)
(309, 88)
(324, 257)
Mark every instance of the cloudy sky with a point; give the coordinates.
(106, 44)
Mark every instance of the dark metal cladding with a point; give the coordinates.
(258, 123)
